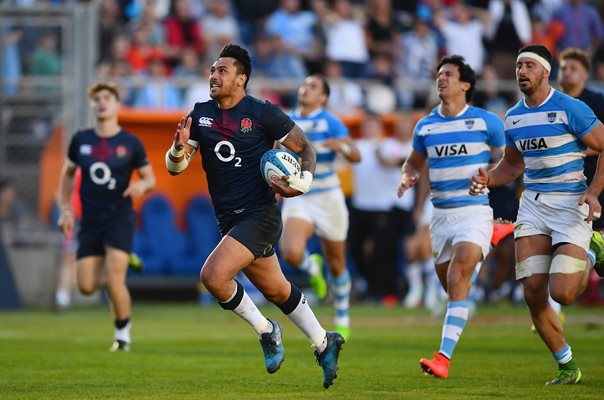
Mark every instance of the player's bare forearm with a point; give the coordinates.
(595, 141)
(297, 142)
(597, 183)
(509, 168)
(66, 186)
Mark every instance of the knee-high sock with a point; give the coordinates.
(455, 321)
(308, 266)
(241, 304)
(298, 311)
(341, 288)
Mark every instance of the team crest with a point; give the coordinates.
(246, 125)
(551, 117)
(469, 123)
(121, 152)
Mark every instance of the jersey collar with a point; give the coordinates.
(459, 114)
(549, 96)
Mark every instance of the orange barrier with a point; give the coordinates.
(156, 130)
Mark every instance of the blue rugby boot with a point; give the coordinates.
(328, 359)
(272, 346)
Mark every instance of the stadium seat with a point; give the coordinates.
(158, 239)
(201, 237)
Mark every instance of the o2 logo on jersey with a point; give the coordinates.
(100, 173)
(218, 149)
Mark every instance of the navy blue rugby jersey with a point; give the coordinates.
(231, 143)
(107, 165)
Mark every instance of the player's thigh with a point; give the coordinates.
(296, 232)
(335, 254)
(89, 273)
(228, 258)
(567, 273)
(529, 246)
(266, 274)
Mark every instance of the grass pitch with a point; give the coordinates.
(192, 352)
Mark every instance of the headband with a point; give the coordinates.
(529, 54)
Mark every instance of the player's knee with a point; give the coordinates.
(291, 255)
(210, 280)
(87, 288)
(564, 297)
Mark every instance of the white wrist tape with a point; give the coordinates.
(301, 183)
(346, 149)
(177, 153)
(176, 166)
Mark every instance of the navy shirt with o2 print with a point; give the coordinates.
(107, 165)
(232, 142)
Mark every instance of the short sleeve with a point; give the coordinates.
(581, 118)
(509, 141)
(495, 130)
(418, 141)
(338, 129)
(275, 122)
(139, 156)
(194, 131)
(72, 151)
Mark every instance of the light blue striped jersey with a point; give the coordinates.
(548, 136)
(320, 126)
(456, 147)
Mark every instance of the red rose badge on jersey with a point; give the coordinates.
(121, 151)
(246, 125)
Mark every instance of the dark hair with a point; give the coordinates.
(466, 73)
(576, 54)
(326, 88)
(538, 49)
(99, 86)
(242, 59)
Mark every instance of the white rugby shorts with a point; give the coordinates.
(326, 211)
(450, 226)
(556, 215)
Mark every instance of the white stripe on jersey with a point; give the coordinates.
(534, 119)
(459, 125)
(575, 176)
(312, 125)
(448, 194)
(551, 142)
(471, 148)
(551, 161)
(454, 173)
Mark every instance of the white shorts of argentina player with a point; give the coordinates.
(555, 215)
(450, 226)
(326, 211)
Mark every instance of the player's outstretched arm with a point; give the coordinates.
(144, 184)
(346, 147)
(297, 142)
(510, 167)
(177, 157)
(410, 171)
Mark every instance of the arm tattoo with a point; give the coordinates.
(298, 142)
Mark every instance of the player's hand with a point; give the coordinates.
(478, 183)
(407, 181)
(66, 222)
(281, 187)
(595, 209)
(135, 189)
(183, 132)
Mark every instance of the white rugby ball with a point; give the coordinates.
(276, 163)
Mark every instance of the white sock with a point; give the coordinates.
(123, 334)
(304, 318)
(556, 306)
(414, 278)
(62, 298)
(308, 266)
(248, 311)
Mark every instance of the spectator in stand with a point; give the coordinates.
(272, 59)
(582, 26)
(199, 91)
(490, 96)
(417, 55)
(508, 29)
(148, 19)
(382, 27)
(46, 61)
(188, 65)
(463, 33)
(252, 15)
(157, 92)
(111, 23)
(346, 44)
(11, 59)
(118, 70)
(346, 95)
(219, 26)
(182, 31)
(141, 50)
(545, 9)
(547, 34)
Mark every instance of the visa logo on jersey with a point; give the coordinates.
(531, 144)
(451, 150)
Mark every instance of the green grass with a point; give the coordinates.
(191, 352)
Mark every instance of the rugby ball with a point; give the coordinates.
(276, 163)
